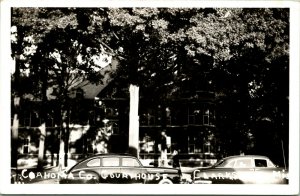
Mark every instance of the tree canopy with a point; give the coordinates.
(241, 54)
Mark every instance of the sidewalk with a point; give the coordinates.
(48, 175)
(27, 172)
(47, 181)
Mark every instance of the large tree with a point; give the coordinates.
(240, 54)
(64, 58)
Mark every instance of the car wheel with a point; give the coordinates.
(165, 181)
(92, 178)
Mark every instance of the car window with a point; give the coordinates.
(270, 163)
(93, 163)
(220, 163)
(130, 162)
(260, 163)
(110, 161)
(243, 163)
(230, 164)
(225, 163)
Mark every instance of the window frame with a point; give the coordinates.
(132, 158)
(87, 164)
(260, 159)
(103, 158)
(26, 145)
(243, 159)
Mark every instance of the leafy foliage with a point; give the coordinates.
(241, 54)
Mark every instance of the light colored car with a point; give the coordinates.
(247, 169)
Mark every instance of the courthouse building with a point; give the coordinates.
(189, 121)
(99, 123)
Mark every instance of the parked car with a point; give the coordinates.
(118, 169)
(247, 169)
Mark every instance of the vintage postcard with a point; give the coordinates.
(124, 97)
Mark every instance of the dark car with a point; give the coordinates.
(118, 169)
(249, 169)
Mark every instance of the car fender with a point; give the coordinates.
(89, 177)
(165, 181)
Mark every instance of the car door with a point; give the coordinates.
(267, 173)
(109, 172)
(84, 173)
(245, 171)
(132, 171)
(222, 173)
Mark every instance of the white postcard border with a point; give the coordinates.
(7, 188)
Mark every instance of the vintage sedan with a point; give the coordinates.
(247, 169)
(118, 169)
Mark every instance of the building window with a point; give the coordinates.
(115, 127)
(191, 119)
(148, 119)
(26, 143)
(147, 144)
(206, 117)
(26, 119)
(50, 121)
(191, 148)
(207, 147)
(168, 116)
(111, 112)
(194, 144)
(201, 115)
(35, 121)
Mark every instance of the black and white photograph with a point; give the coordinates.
(98, 96)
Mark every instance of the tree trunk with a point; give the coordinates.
(14, 141)
(67, 135)
(44, 112)
(134, 120)
(61, 159)
(16, 110)
(17, 97)
(61, 138)
(41, 146)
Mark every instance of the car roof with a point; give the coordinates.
(99, 156)
(109, 155)
(246, 156)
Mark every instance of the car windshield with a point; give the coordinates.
(221, 163)
(224, 163)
